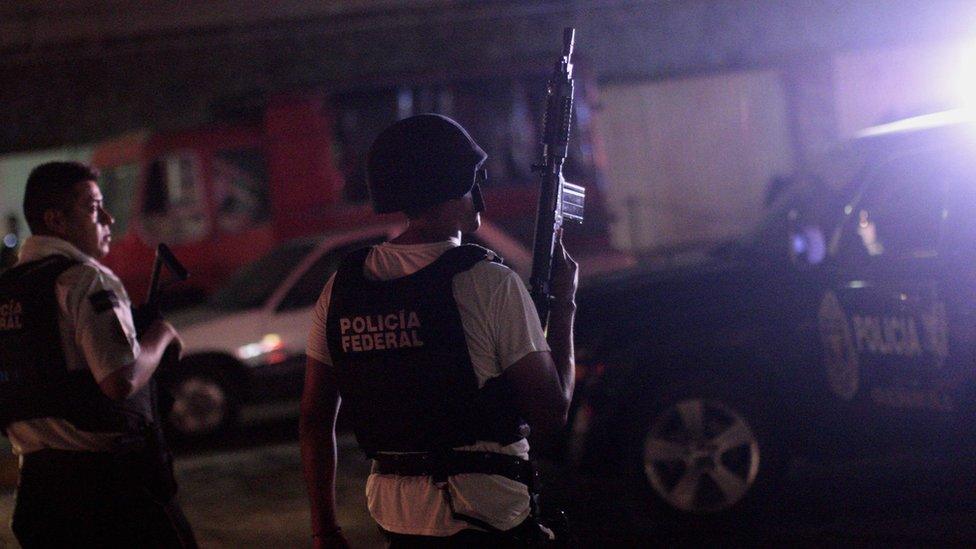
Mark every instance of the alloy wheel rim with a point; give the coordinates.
(701, 456)
(199, 406)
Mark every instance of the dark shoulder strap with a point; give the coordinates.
(49, 267)
(453, 261)
(460, 259)
(351, 267)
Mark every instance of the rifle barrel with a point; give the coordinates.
(555, 141)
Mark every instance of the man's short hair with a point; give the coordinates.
(413, 212)
(50, 186)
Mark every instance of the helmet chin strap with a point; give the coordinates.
(479, 199)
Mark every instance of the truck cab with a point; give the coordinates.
(222, 196)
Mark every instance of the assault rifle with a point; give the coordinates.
(156, 465)
(558, 200)
(164, 256)
(150, 309)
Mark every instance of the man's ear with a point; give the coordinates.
(54, 221)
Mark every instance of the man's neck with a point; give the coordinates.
(40, 245)
(426, 234)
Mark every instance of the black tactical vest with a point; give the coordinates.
(402, 360)
(34, 379)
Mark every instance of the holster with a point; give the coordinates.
(149, 462)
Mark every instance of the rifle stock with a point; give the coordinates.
(558, 200)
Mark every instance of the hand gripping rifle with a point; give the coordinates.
(156, 469)
(150, 312)
(150, 309)
(558, 199)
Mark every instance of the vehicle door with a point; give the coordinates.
(883, 316)
(239, 308)
(957, 253)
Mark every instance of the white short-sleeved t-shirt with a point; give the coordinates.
(97, 334)
(501, 327)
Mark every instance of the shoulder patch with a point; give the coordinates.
(104, 300)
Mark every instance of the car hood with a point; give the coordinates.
(652, 271)
(224, 333)
(185, 318)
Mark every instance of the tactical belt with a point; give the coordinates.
(441, 465)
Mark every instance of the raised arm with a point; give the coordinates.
(126, 381)
(543, 382)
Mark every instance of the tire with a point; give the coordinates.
(704, 454)
(204, 403)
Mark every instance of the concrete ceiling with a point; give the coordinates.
(75, 71)
(32, 29)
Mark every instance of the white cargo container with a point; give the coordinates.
(688, 160)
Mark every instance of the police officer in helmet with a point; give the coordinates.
(437, 352)
(75, 378)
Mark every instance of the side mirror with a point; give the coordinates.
(807, 244)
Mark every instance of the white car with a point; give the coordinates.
(248, 344)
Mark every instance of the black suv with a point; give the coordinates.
(844, 325)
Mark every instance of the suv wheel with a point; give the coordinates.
(701, 455)
(705, 454)
(204, 404)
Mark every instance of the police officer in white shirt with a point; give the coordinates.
(75, 382)
(438, 353)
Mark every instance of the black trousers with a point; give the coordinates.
(523, 535)
(84, 499)
(474, 539)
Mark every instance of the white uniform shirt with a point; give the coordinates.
(501, 326)
(101, 340)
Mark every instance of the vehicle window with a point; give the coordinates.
(240, 179)
(796, 223)
(361, 116)
(252, 285)
(306, 290)
(959, 232)
(900, 213)
(502, 115)
(173, 208)
(119, 184)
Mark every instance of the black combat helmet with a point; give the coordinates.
(421, 161)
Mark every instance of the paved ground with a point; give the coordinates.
(900, 502)
(248, 491)
(262, 502)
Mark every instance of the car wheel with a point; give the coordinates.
(204, 404)
(701, 456)
(706, 455)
